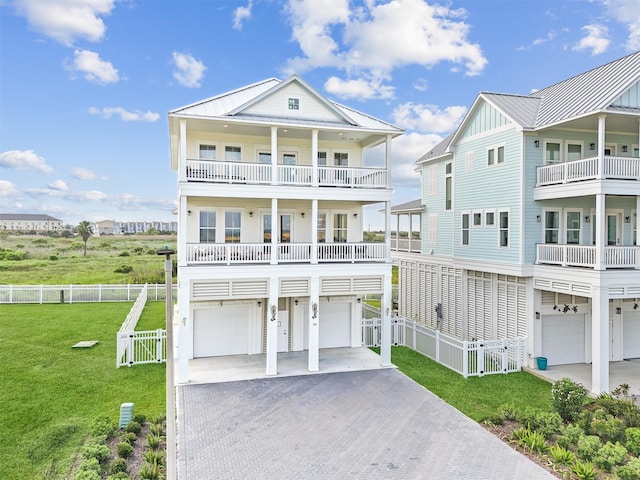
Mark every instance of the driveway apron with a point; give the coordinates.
(376, 424)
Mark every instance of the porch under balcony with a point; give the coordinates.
(615, 256)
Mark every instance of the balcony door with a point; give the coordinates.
(613, 225)
(284, 227)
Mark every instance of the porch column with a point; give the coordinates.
(274, 231)
(601, 141)
(182, 230)
(314, 231)
(314, 158)
(272, 326)
(410, 230)
(274, 158)
(600, 340)
(314, 330)
(385, 312)
(397, 232)
(185, 325)
(600, 231)
(387, 159)
(182, 152)
(387, 231)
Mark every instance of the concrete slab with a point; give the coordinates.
(372, 424)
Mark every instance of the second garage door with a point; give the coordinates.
(563, 339)
(631, 334)
(335, 325)
(221, 331)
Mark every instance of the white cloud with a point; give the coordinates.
(188, 71)
(597, 39)
(241, 14)
(125, 115)
(82, 173)
(627, 12)
(93, 67)
(358, 88)
(24, 160)
(66, 20)
(58, 185)
(372, 40)
(428, 118)
(7, 189)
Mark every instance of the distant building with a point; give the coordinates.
(112, 227)
(26, 222)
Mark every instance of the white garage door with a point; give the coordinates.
(631, 334)
(563, 338)
(221, 331)
(335, 325)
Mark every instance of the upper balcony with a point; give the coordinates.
(615, 256)
(612, 168)
(289, 175)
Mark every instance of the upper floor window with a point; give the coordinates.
(294, 104)
(207, 227)
(448, 185)
(232, 153)
(232, 227)
(341, 159)
(489, 219)
(495, 156)
(288, 158)
(574, 151)
(504, 229)
(208, 152)
(322, 227)
(465, 229)
(322, 158)
(551, 226)
(264, 157)
(552, 152)
(573, 228)
(634, 226)
(340, 227)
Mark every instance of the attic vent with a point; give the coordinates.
(294, 104)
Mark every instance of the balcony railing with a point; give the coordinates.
(232, 253)
(297, 175)
(623, 168)
(618, 256)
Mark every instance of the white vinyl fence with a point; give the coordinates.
(135, 347)
(79, 293)
(468, 358)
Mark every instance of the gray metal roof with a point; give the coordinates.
(521, 109)
(412, 206)
(30, 217)
(438, 150)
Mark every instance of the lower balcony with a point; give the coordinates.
(618, 256)
(238, 253)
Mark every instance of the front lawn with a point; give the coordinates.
(51, 393)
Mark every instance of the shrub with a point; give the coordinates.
(607, 427)
(95, 450)
(610, 455)
(623, 409)
(546, 423)
(632, 435)
(530, 440)
(588, 446)
(569, 436)
(150, 471)
(584, 471)
(630, 471)
(87, 475)
(153, 456)
(103, 425)
(118, 476)
(54, 257)
(157, 429)
(134, 427)
(118, 465)
(153, 441)
(567, 398)
(562, 455)
(129, 437)
(124, 254)
(140, 418)
(123, 269)
(124, 449)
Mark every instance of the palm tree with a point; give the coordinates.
(85, 231)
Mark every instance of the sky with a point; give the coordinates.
(86, 85)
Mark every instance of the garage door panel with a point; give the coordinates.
(219, 331)
(563, 338)
(334, 323)
(631, 334)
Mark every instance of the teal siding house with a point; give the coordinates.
(529, 223)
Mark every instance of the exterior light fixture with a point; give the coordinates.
(537, 315)
(625, 148)
(539, 218)
(592, 146)
(627, 219)
(537, 143)
(259, 303)
(302, 214)
(274, 313)
(314, 310)
(251, 214)
(587, 219)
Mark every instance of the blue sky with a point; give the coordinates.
(85, 85)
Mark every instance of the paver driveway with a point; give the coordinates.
(376, 424)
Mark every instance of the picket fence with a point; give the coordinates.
(79, 293)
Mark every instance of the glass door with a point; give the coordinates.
(612, 229)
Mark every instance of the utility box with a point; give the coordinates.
(126, 414)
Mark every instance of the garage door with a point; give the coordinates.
(563, 339)
(221, 331)
(335, 325)
(631, 334)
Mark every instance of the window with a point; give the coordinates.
(207, 227)
(322, 162)
(232, 154)
(504, 229)
(266, 228)
(322, 158)
(264, 157)
(495, 155)
(552, 153)
(465, 229)
(447, 185)
(551, 226)
(634, 226)
(340, 227)
(573, 228)
(232, 227)
(500, 154)
(477, 219)
(322, 227)
(341, 159)
(294, 104)
(574, 152)
(489, 219)
(491, 157)
(208, 152)
(288, 158)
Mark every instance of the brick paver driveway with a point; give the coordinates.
(357, 425)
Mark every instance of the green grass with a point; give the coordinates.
(476, 397)
(51, 393)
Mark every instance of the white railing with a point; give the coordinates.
(141, 347)
(626, 168)
(405, 245)
(133, 316)
(79, 293)
(301, 175)
(615, 256)
(468, 358)
(228, 253)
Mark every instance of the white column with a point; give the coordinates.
(600, 341)
(385, 311)
(274, 156)
(387, 159)
(272, 327)
(274, 231)
(314, 231)
(397, 232)
(314, 158)
(182, 230)
(601, 141)
(314, 328)
(182, 152)
(387, 230)
(185, 339)
(601, 229)
(410, 231)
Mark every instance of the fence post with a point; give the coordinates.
(130, 343)
(70, 293)
(465, 358)
(437, 345)
(159, 345)
(41, 286)
(505, 355)
(415, 332)
(99, 293)
(480, 357)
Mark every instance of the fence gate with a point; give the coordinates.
(142, 347)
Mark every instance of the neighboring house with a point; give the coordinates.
(530, 222)
(27, 222)
(104, 227)
(272, 181)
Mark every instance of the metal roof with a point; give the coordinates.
(31, 217)
(438, 150)
(412, 206)
(521, 109)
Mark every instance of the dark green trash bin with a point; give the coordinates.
(542, 363)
